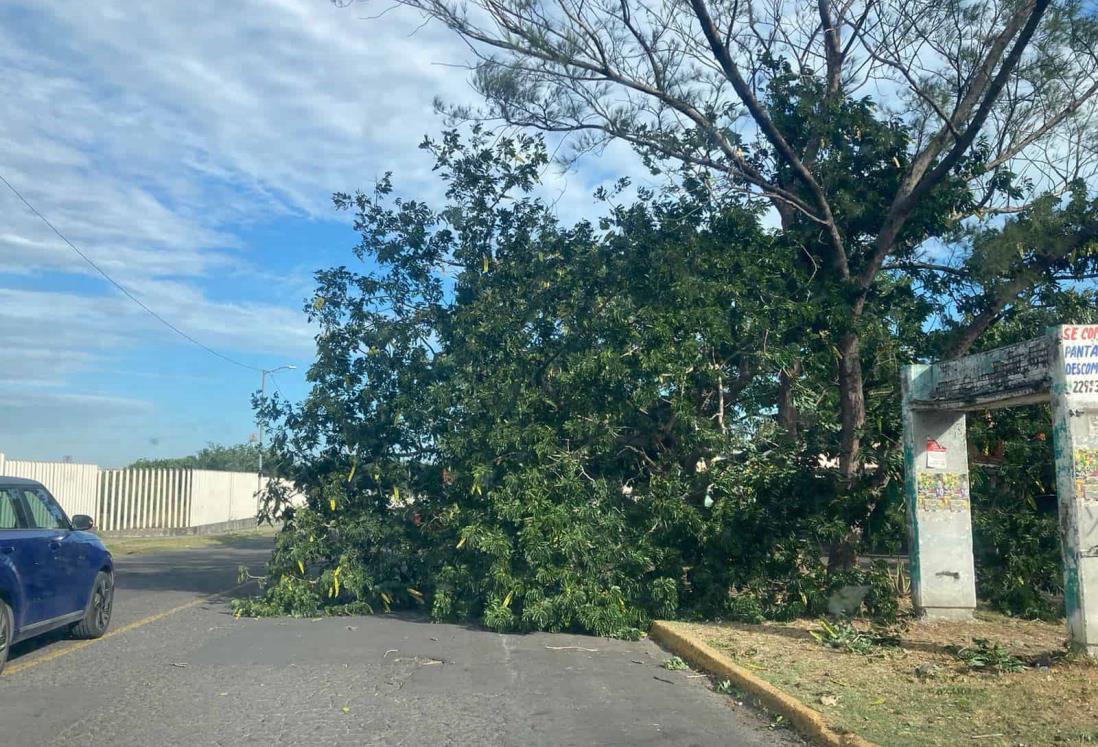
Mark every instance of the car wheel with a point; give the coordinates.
(7, 632)
(98, 615)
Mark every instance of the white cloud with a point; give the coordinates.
(154, 134)
(148, 132)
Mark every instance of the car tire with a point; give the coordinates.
(100, 604)
(7, 632)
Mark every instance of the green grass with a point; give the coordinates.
(141, 545)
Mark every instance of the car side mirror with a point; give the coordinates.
(82, 523)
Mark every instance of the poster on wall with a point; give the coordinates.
(1086, 474)
(1079, 346)
(937, 491)
(935, 455)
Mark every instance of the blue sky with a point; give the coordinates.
(191, 150)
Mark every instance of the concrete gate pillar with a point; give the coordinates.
(1075, 444)
(1061, 364)
(943, 577)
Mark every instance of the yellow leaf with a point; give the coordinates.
(386, 598)
(318, 303)
(461, 543)
(507, 599)
(484, 264)
(415, 593)
(345, 709)
(332, 503)
(396, 493)
(301, 567)
(354, 468)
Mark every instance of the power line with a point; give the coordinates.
(275, 382)
(120, 287)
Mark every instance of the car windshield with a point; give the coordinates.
(8, 515)
(44, 512)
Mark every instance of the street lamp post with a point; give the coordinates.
(262, 394)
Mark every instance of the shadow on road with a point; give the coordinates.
(203, 570)
(196, 571)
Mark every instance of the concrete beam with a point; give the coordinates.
(1003, 377)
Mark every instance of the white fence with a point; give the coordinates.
(134, 499)
(73, 485)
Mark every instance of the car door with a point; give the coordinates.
(76, 569)
(67, 592)
(25, 555)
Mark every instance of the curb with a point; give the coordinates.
(700, 655)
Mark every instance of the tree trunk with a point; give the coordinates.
(787, 408)
(851, 406)
(843, 554)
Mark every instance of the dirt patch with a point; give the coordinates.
(918, 692)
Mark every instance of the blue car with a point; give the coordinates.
(54, 573)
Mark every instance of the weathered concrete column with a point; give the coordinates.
(943, 578)
(1075, 443)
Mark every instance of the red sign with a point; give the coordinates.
(935, 455)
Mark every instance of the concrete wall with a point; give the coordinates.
(153, 500)
(223, 496)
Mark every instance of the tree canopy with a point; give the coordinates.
(873, 128)
(552, 426)
(234, 458)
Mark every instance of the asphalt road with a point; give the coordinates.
(178, 669)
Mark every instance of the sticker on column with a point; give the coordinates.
(935, 455)
(937, 491)
(1086, 474)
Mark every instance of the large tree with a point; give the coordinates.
(872, 127)
(542, 425)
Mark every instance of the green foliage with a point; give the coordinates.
(675, 664)
(845, 637)
(1016, 535)
(725, 687)
(537, 426)
(545, 427)
(988, 656)
(235, 458)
